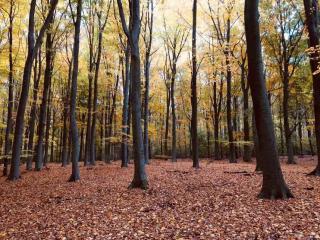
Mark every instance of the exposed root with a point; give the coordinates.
(315, 172)
(74, 178)
(276, 192)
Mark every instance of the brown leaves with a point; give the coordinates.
(216, 202)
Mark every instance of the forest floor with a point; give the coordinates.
(181, 203)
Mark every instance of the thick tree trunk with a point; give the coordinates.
(75, 175)
(273, 186)
(312, 11)
(33, 47)
(194, 97)
(246, 128)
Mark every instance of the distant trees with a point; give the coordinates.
(273, 185)
(174, 43)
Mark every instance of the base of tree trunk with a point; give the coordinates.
(292, 162)
(315, 172)
(258, 169)
(277, 192)
(139, 184)
(13, 178)
(74, 178)
(124, 165)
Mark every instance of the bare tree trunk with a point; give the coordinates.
(45, 99)
(194, 97)
(125, 110)
(7, 144)
(286, 124)
(273, 186)
(75, 175)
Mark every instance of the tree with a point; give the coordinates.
(140, 178)
(7, 145)
(33, 46)
(311, 11)
(273, 186)
(223, 31)
(147, 37)
(45, 97)
(75, 175)
(194, 99)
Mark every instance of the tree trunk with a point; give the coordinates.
(32, 119)
(45, 100)
(173, 110)
(273, 186)
(312, 10)
(286, 124)
(194, 97)
(125, 110)
(75, 175)
(7, 144)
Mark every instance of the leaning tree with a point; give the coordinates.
(273, 186)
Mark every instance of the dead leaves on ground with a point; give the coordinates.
(216, 202)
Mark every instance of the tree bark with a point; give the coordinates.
(194, 97)
(75, 174)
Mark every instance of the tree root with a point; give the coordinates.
(144, 185)
(276, 192)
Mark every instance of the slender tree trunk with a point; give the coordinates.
(232, 158)
(312, 18)
(173, 110)
(167, 121)
(7, 144)
(95, 99)
(64, 154)
(47, 135)
(287, 130)
(273, 186)
(45, 100)
(246, 128)
(125, 110)
(75, 175)
(194, 97)
(33, 47)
